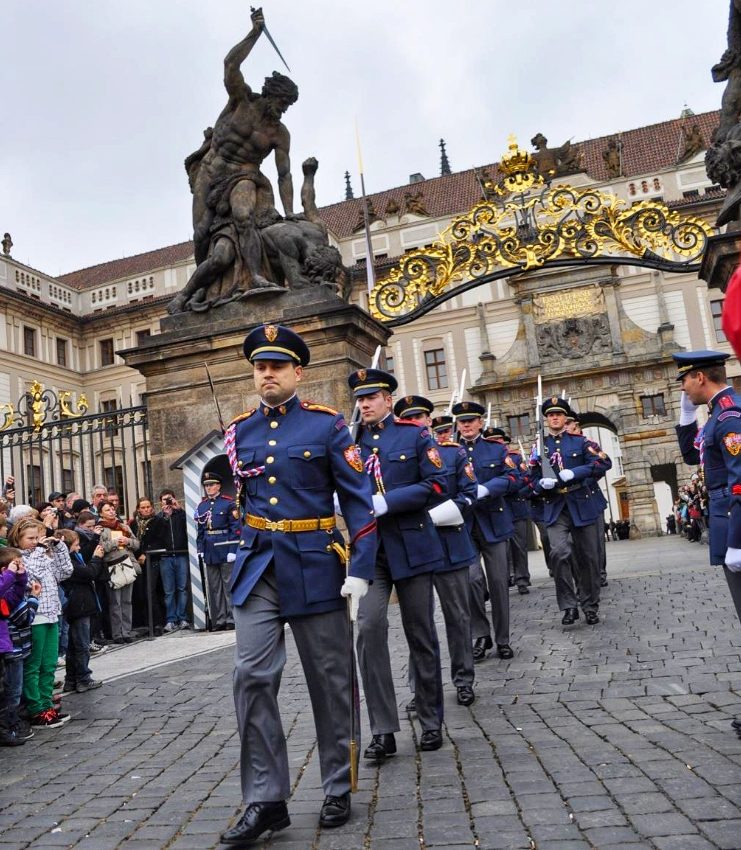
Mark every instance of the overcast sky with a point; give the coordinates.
(101, 101)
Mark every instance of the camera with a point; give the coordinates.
(168, 500)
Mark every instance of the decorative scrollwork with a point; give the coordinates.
(7, 411)
(524, 224)
(66, 411)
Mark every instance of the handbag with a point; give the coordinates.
(121, 574)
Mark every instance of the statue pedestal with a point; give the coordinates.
(720, 259)
(181, 409)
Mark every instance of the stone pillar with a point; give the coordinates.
(720, 259)
(526, 308)
(612, 306)
(181, 409)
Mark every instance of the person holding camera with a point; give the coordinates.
(9, 490)
(169, 531)
(47, 561)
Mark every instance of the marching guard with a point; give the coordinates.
(289, 456)
(717, 448)
(490, 526)
(571, 509)
(451, 578)
(217, 521)
(408, 477)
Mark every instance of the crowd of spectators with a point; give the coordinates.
(689, 515)
(77, 576)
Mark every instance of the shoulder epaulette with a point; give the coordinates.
(450, 443)
(242, 416)
(225, 496)
(320, 408)
(493, 440)
(408, 422)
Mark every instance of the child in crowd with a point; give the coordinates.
(3, 530)
(47, 561)
(16, 615)
(82, 604)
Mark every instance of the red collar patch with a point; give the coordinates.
(725, 401)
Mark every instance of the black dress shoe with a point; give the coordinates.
(504, 650)
(603, 582)
(381, 747)
(335, 810)
(480, 647)
(257, 818)
(511, 581)
(412, 706)
(432, 739)
(522, 589)
(592, 618)
(570, 616)
(736, 723)
(466, 696)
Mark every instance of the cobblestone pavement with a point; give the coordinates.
(613, 737)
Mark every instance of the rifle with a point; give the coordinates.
(546, 469)
(355, 418)
(488, 416)
(457, 394)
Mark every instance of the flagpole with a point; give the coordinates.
(370, 271)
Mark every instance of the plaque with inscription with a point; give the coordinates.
(568, 303)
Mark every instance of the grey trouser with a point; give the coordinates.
(325, 650)
(119, 610)
(518, 552)
(580, 547)
(543, 531)
(734, 585)
(219, 600)
(494, 556)
(454, 594)
(417, 619)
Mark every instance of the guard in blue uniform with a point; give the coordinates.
(717, 447)
(519, 505)
(571, 511)
(408, 477)
(490, 526)
(451, 578)
(217, 521)
(288, 457)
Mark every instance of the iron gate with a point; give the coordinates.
(48, 443)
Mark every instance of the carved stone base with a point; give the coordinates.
(721, 257)
(341, 337)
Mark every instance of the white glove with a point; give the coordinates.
(733, 559)
(446, 513)
(231, 557)
(355, 588)
(482, 492)
(687, 410)
(566, 475)
(548, 483)
(379, 505)
(200, 554)
(337, 508)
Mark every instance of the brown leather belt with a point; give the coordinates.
(290, 525)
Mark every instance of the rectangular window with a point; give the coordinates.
(33, 484)
(29, 341)
(390, 364)
(716, 308)
(691, 193)
(653, 405)
(519, 426)
(142, 335)
(110, 421)
(114, 478)
(437, 373)
(68, 480)
(106, 352)
(61, 351)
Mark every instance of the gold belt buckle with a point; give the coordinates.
(276, 525)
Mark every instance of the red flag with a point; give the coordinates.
(731, 319)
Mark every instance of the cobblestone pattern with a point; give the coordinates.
(614, 737)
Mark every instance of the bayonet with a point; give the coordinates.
(216, 401)
(546, 468)
(271, 39)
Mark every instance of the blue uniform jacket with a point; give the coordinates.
(216, 523)
(288, 461)
(588, 462)
(499, 474)
(412, 477)
(519, 502)
(721, 439)
(462, 489)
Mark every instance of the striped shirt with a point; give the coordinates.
(49, 571)
(19, 626)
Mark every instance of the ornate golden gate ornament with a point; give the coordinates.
(37, 406)
(525, 224)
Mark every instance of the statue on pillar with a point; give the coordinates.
(242, 244)
(723, 159)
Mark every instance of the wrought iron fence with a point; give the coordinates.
(49, 445)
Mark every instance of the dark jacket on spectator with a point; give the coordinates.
(80, 587)
(168, 532)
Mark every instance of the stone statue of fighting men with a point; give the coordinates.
(235, 223)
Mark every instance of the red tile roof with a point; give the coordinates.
(128, 267)
(646, 151)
